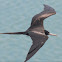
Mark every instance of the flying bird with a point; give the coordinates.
(36, 30)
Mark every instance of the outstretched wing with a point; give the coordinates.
(38, 41)
(37, 20)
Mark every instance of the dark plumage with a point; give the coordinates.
(36, 31)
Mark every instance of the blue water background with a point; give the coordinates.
(16, 15)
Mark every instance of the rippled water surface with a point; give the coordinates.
(16, 15)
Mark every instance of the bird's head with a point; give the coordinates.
(48, 33)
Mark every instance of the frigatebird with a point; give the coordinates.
(36, 31)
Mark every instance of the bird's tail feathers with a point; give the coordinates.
(14, 33)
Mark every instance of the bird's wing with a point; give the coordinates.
(38, 41)
(37, 20)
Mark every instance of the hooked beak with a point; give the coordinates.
(52, 34)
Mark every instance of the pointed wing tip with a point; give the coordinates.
(44, 4)
(49, 9)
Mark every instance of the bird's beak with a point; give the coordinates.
(52, 34)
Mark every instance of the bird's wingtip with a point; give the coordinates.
(49, 8)
(45, 5)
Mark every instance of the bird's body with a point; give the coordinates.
(36, 31)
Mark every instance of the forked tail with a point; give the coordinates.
(15, 33)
